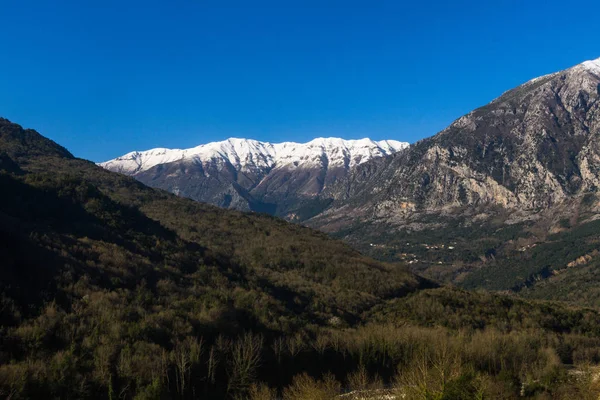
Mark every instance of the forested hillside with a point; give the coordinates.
(110, 289)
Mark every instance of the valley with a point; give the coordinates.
(314, 200)
(110, 288)
(507, 186)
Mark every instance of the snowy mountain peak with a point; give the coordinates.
(592, 66)
(585, 68)
(252, 154)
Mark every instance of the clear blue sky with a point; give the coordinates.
(106, 77)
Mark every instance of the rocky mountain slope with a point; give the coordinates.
(525, 166)
(244, 174)
(532, 148)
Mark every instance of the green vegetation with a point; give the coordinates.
(109, 289)
(97, 262)
(443, 253)
(552, 259)
(517, 270)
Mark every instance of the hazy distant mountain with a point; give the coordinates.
(282, 178)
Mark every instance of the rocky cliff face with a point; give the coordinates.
(285, 179)
(531, 149)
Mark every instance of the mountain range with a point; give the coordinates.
(110, 288)
(532, 148)
(489, 200)
(283, 179)
(474, 204)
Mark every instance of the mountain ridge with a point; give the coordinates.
(78, 203)
(283, 179)
(498, 185)
(242, 152)
(536, 105)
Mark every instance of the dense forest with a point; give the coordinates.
(110, 289)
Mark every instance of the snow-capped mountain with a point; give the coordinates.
(252, 175)
(248, 153)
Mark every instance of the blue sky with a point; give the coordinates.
(105, 77)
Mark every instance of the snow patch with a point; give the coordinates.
(251, 154)
(592, 66)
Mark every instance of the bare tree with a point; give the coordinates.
(186, 354)
(244, 360)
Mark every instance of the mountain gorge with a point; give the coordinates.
(283, 179)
